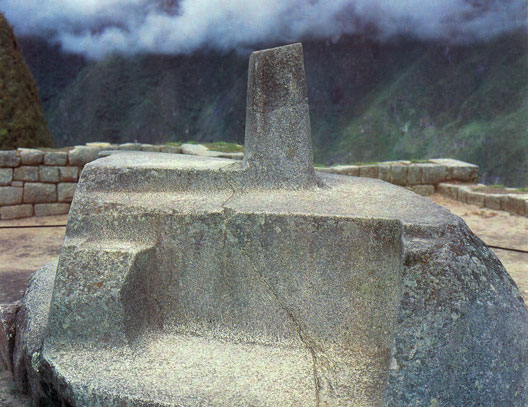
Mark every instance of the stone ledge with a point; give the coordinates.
(514, 203)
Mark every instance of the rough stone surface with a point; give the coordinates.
(56, 158)
(514, 203)
(31, 325)
(399, 174)
(171, 149)
(368, 171)
(475, 198)
(384, 173)
(494, 201)
(197, 149)
(150, 148)
(198, 281)
(26, 173)
(65, 191)
(130, 147)
(6, 176)
(48, 174)
(277, 115)
(17, 183)
(10, 195)
(51, 209)
(68, 174)
(9, 159)
(414, 175)
(35, 192)
(16, 211)
(351, 170)
(82, 155)
(7, 334)
(433, 173)
(30, 156)
(423, 190)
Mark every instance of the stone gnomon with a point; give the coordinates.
(193, 281)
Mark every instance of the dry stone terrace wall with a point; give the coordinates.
(42, 182)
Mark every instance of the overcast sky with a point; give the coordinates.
(98, 27)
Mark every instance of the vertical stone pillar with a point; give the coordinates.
(278, 145)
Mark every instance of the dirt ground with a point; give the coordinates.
(27, 249)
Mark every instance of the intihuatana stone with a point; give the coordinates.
(200, 281)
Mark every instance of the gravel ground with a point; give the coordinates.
(25, 250)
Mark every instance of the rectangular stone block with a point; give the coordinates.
(10, 195)
(26, 173)
(56, 158)
(466, 174)
(51, 209)
(515, 204)
(463, 193)
(384, 173)
(423, 190)
(414, 174)
(6, 176)
(368, 171)
(449, 190)
(65, 191)
(9, 159)
(16, 211)
(83, 155)
(17, 184)
(398, 174)
(35, 192)
(433, 174)
(476, 198)
(30, 156)
(48, 174)
(68, 174)
(493, 201)
(171, 149)
(150, 148)
(130, 146)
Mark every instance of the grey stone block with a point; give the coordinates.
(494, 201)
(69, 174)
(466, 174)
(26, 173)
(150, 148)
(80, 156)
(423, 190)
(51, 209)
(384, 173)
(368, 171)
(7, 333)
(130, 147)
(9, 158)
(515, 204)
(398, 174)
(433, 174)
(102, 145)
(35, 192)
(17, 183)
(195, 149)
(48, 174)
(462, 194)
(56, 158)
(30, 156)
(16, 211)
(6, 176)
(10, 195)
(351, 170)
(414, 174)
(449, 190)
(65, 191)
(171, 149)
(475, 198)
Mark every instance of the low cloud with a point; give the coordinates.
(98, 27)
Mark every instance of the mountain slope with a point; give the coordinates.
(368, 101)
(22, 122)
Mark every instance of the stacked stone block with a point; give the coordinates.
(41, 183)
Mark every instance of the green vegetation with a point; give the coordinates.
(22, 122)
(368, 102)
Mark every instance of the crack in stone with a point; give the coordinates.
(307, 341)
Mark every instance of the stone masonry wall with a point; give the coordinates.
(42, 182)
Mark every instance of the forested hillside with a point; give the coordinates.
(369, 101)
(22, 122)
